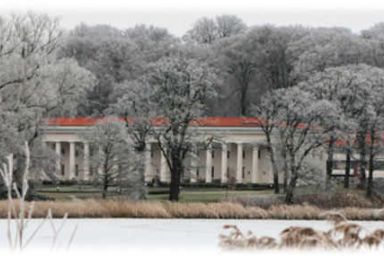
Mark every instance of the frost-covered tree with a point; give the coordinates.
(137, 110)
(375, 121)
(178, 91)
(356, 102)
(266, 113)
(331, 85)
(276, 60)
(229, 25)
(113, 161)
(356, 90)
(208, 30)
(300, 130)
(114, 55)
(236, 60)
(204, 31)
(255, 62)
(29, 79)
(326, 47)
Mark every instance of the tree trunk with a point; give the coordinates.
(285, 170)
(370, 175)
(105, 182)
(329, 161)
(105, 189)
(292, 181)
(363, 161)
(291, 188)
(174, 187)
(371, 163)
(275, 170)
(139, 188)
(347, 168)
(363, 164)
(276, 182)
(243, 104)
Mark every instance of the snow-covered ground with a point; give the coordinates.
(161, 236)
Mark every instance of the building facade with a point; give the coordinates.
(237, 154)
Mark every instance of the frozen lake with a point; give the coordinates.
(160, 236)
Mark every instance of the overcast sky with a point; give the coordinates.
(178, 16)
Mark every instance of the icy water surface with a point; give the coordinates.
(164, 236)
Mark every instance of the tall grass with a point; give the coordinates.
(222, 210)
(343, 235)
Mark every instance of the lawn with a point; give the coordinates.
(209, 195)
(69, 192)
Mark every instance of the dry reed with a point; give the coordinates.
(342, 235)
(223, 210)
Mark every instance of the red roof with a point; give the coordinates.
(205, 121)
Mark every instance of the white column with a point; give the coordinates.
(208, 165)
(71, 170)
(193, 167)
(58, 155)
(148, 162)
(239, 169)
(99, 164)
(86, 161)
(163, 167)
(255, 164)
(224, 163)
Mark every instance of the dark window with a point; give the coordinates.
(213, 172)
(76, 170)
(213, 153)
(197, 172)
(62, 169)
(243, 153)
(259, 153)
(228, 154)
(63, 151)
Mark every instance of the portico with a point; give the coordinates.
(236, 155)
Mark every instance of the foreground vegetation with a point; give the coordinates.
(223, 210)
(342, 235)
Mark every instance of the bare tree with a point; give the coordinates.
(300, 129)
(29, 88)
(113, 159)
(207, 30)
(179, 90)
(138, 111)
(267, 112)
(229, 25)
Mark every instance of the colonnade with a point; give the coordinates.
(237, 162)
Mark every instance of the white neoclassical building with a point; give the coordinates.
(239, 156)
